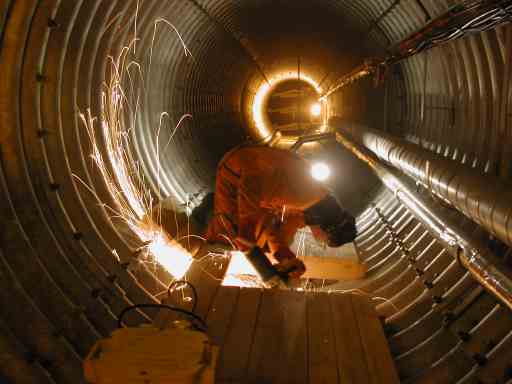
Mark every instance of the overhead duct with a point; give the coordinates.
(483, 198)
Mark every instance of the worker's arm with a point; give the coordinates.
(287, 263)
(276, 234)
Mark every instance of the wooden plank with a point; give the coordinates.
(331, 268)
(294, 352)
(178, 298)
(351, 355)
(219, 316)
(279, 353)
(206, 275)
(268, 336)
(232, 366)
(381, 367)
(322, 362)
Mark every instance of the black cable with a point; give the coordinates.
(194, 291)
(463, 21)
(203, 328)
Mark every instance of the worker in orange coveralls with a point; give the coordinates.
(264, 195)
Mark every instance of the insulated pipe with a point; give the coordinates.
(311, 138)
(482, 198)
(471, 253)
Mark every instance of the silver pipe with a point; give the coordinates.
(482, 198)
(311, 138)
(473, 255)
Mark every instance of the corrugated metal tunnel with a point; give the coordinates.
(66, 269)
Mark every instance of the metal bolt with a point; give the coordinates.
(52, 23)
(508, 372)
(42, 133)
(45, 363)
(58, 333)
(30, 357)
(491, 344)
(481, 360)
(95, 293)
(448, 317)
(125, 265)
(464, 336)
(112, 278)
(388, 329)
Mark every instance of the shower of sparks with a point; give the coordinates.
(121, 173)
(133, 202)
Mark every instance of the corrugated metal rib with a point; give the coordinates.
(57, 271)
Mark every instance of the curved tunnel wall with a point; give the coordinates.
(56, 261)
(454, 99)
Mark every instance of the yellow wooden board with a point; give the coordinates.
(333, 268)
(150, 355)
(265, 336)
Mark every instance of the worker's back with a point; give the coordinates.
(272, 177)
(254, 182)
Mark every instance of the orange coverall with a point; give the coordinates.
(260, 196)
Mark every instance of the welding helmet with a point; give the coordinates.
(337, 224)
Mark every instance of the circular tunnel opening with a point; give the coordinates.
(293, 108)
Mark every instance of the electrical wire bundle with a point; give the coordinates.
(462, 19)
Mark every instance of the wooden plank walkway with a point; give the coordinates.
(282, 336)
(278, 336)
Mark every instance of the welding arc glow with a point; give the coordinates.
(125, 182)
(320, 171)
(263, 92)
(241, 273)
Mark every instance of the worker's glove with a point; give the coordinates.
(292, 268)
(283, 253)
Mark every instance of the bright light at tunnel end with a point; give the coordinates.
(264, 90)
(316, 110)
(320, 171)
